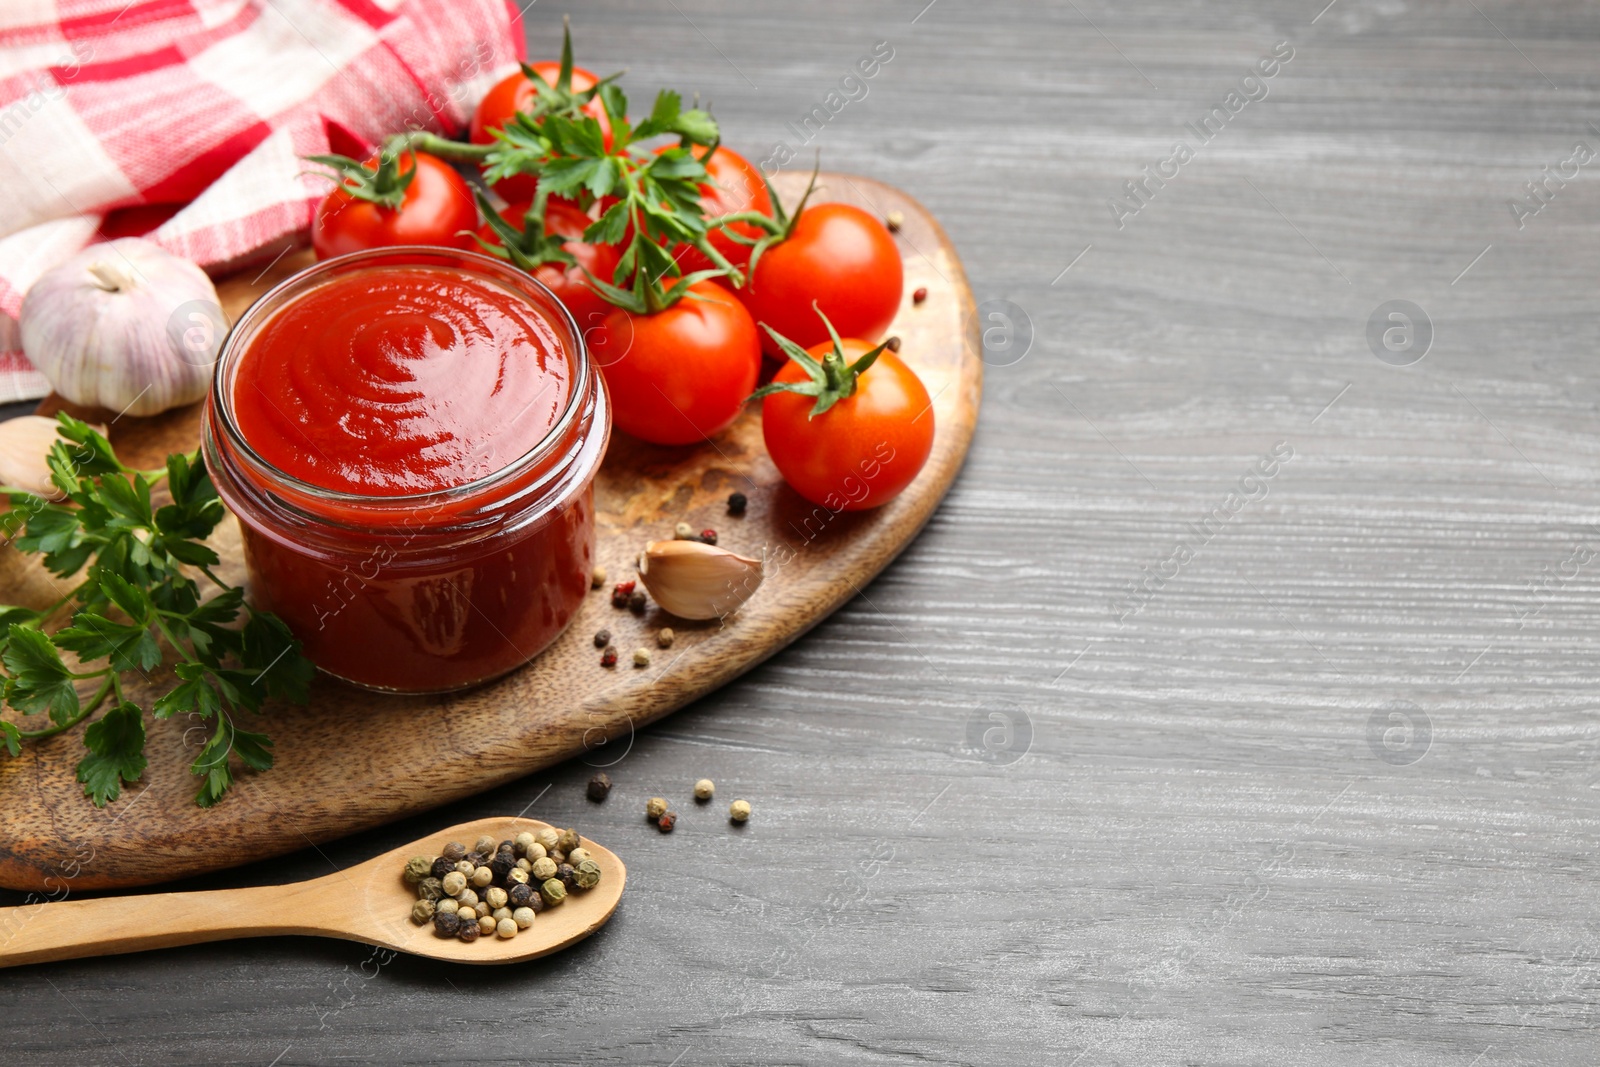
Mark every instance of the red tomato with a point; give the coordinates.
(862, 451)
(516, 93)
(565, 218)
(842, 258)
(735, 185)
(436, 208)
(680, 375)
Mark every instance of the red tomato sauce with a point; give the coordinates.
(411, 456)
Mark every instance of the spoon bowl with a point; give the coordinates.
(369, 902)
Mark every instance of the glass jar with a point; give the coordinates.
(431, 591)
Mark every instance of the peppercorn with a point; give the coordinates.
(447, 904)
(468, 914)
(454, 851)
(586, 875)
(667, 822)
(523, 840)
(597, 578)
(484, 845)
(469, 932)
(517, 896)
(568, 874)
(536, 902)
(500, 914)
(548, 837)
(495, 897)
(708, 535)
(466, 867)
(683, 531)
(654, 808)
(486, 924)
(578, 855)
(599, 787)
(892, 344)
(477, 859)
(568, 840)
(453, 883)
(895, 220)
(430, 889)
(507, 927)
(440, 867)
(920, 295)
(445, 924)
(665, 637)
(467, 898)
(482, 877)
(737, 502)
(637, 602)
(502, 864)
(417, 868)
(422, 912)
(704, 789)
(518, 875)
(558, 856)
(506, 846)
(641, 657)
(602, 638)
(620, 594)
(536, 852)
(523, 917)
(739, 810)
(544, 869)
(608, 658)
(553, 892)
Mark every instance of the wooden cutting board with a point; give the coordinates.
(352, 759)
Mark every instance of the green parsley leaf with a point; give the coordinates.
(116, 753)
(39, 680)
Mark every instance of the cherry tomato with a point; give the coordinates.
(680, 375)
(436, 208)
(863, 450)
(566, 219)
(842, 258)
(516, 93)
(735, 185)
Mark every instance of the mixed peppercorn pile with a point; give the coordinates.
(498, 889)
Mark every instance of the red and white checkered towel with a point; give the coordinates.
(185, 120)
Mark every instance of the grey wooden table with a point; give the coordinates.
(1240, 704)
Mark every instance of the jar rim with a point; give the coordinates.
(499, 272)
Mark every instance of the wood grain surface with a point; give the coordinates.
(1204, 851)
(350, 759)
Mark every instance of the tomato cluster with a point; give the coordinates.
(680, 265)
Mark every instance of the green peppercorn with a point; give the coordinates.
(553, 892)
(495, 897)
(454, 851)
(469, 932)
(568, 840)
(445, 924)
(567, 874)
(599, 787)
(447, 905)
(517, 876)
(417, 868)
(441, 867)
(453, 883)
(654, 808)
(548, 837)
(507, 927)
(739, 810)
(422, 912)
(430, 889)
(578, 855)
(586, 875)
(522, 842)
(518, 895)
(544, 869)
(482, 877)
(523, 917)
(484, 845)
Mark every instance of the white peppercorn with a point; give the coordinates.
(482, 877)
(466, 867)
(704, 789)
(544, 869)
(654, 808)
(537, 852)
(522, 842)
(447, 906)
(501, 913)
(523, 917)
(547, 837)
(506, 927)
(495, 897)
(467, 898)
(487, 924)
(467, 913)
(739, 810)
(484, 845)
(454, 883)
(578, 855)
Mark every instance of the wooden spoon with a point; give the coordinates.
(368, 902)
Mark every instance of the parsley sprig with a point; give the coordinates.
(134, 565)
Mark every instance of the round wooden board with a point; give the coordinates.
(352, 759)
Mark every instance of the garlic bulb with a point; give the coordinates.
(125, 326)
(23, 444)
(694, 580)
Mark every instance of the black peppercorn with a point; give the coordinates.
(502, 865)
(568, 875)
(536, 902)
(636, 602)
(737, 502)
(602, 638)
(477, 859)
(520, 894)
(454, 851)
(446, 923)
(442, 867)
(468, 932)
(507, 846)
(599, 786)
(608, 658)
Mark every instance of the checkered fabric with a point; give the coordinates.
(186, 120)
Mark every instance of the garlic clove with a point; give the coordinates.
(24, 441)
(693, 580)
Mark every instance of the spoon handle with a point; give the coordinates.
(69, 929)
